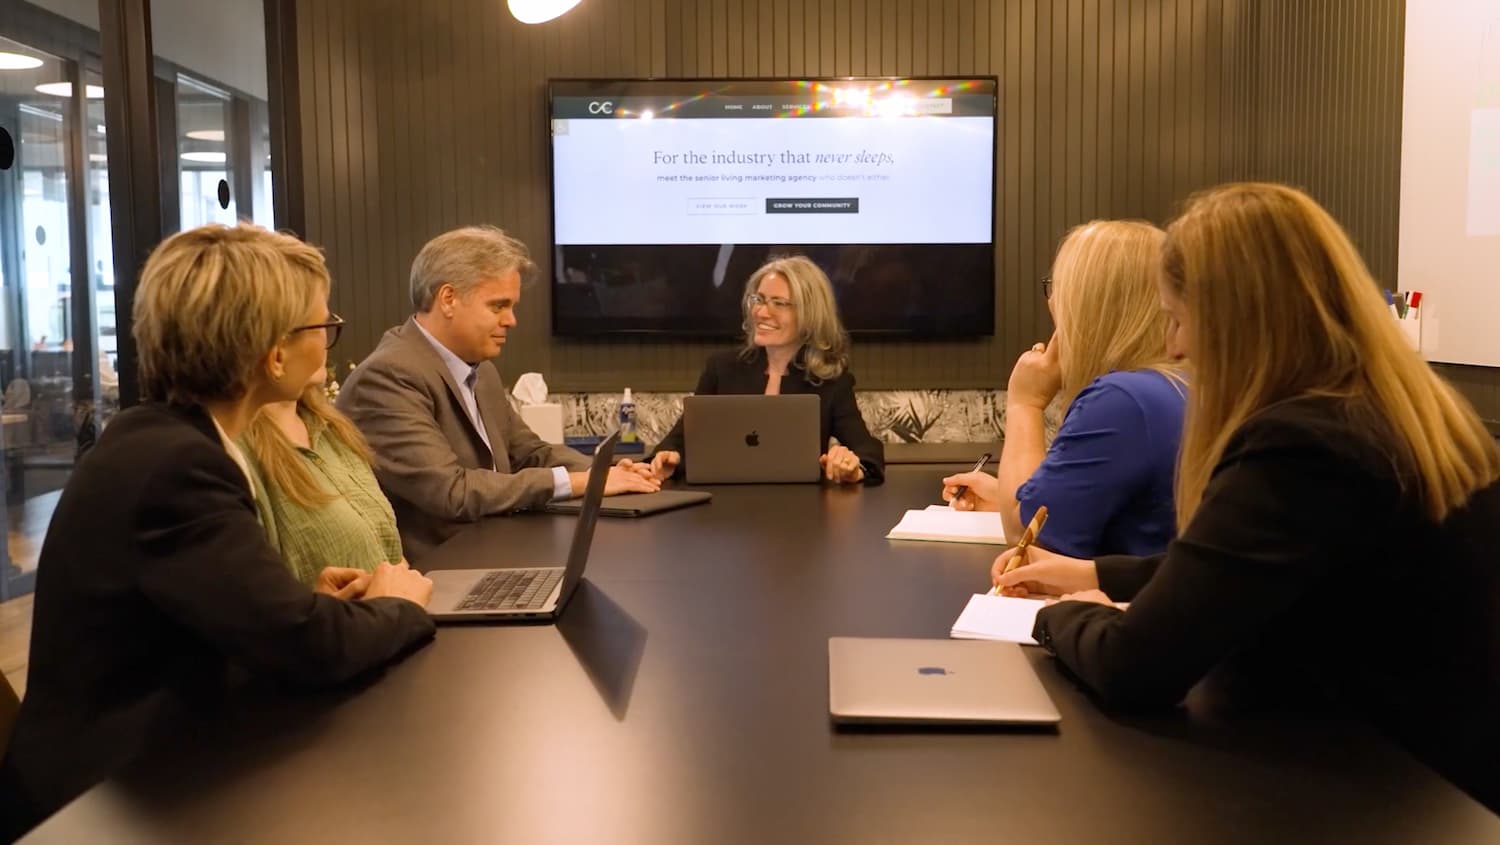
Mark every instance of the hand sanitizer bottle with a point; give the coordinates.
(627, 418)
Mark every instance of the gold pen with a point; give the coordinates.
(1027, 538)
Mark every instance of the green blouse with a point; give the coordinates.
(357, 529)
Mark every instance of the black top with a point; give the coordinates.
(1310, 574)
(155, 576)
(734, 373)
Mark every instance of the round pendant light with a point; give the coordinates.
(539, 11)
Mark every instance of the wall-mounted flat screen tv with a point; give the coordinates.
(668, 194)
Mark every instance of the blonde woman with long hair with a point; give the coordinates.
(1107, 479)
(315, 487)
(794, 343)
(1326, 474)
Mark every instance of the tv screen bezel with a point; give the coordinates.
(712, 334)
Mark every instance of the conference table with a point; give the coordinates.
(683, 698)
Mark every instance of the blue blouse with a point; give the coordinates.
(1107, 480)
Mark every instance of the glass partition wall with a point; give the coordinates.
(60, 351)
(53, 269)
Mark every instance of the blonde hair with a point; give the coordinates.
(1283, 307)
(213, 302)
(463, 258)
(825, 344)
(281, 465)
(1106, 305)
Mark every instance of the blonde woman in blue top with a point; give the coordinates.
(1107, 478)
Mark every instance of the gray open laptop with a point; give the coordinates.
(755, 438)
(893, 681)
(506, 595)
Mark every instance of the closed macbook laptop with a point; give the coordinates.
(749, 439)
(525, 593)
(896, 681)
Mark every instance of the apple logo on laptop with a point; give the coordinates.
(752, 439)
(933, 670)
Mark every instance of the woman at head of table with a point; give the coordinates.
(794, 343)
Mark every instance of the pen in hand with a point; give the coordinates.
(959, 492)
(1028, 537)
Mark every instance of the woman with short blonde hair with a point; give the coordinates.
(1107, 479)
(794, 343)
(1327, 473)
(156, 576)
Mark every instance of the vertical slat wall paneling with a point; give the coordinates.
(418, 117)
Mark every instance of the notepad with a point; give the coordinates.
(944, 525)
(1002, 618)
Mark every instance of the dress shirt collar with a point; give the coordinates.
(461, 370)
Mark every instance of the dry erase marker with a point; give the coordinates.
(962, 488)
(1028, 536)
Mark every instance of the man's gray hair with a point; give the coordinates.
(463, 258)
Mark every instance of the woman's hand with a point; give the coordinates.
(983, 493)
(1037, 377)
(342, 582)
(842, 466)
(663, 464)
(1044, 572)
(399, 580)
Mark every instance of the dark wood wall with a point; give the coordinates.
(418, 117)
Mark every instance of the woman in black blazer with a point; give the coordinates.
(1338, 506)
(156, 577)
(794, 343)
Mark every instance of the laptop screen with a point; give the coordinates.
(583, 533)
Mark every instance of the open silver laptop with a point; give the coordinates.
(893, 681)
(507, 595)
(755, 438)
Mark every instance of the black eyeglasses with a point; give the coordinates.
(1046, 287)
(333, 328)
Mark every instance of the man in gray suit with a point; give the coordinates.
(449, 449)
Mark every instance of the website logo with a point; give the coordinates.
(601, 107)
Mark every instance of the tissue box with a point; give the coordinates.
(546, 420)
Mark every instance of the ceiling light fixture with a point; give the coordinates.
(206, 135)
(65, 89)
(206, 157)
(17, 61)
(539, 11)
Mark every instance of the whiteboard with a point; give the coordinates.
(1449, 245)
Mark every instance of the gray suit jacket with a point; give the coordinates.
(428, 456)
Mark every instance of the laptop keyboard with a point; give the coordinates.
(512, 589)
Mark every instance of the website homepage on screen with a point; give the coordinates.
(665, 202)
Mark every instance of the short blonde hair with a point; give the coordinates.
(213, 302)
(1105, 302)
(464, 258)
(1282, 308)
(825, 344)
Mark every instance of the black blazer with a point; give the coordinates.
(1310, 575)
(732, 373)
(154, 578)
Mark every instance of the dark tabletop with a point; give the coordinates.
(683, 698)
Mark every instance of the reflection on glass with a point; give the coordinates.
(44, 392)
(203, 153)
(101, 258)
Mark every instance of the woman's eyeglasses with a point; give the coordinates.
(775, 303)
(333, 328)
(1046, 287)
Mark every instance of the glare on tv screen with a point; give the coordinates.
(668, 194)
